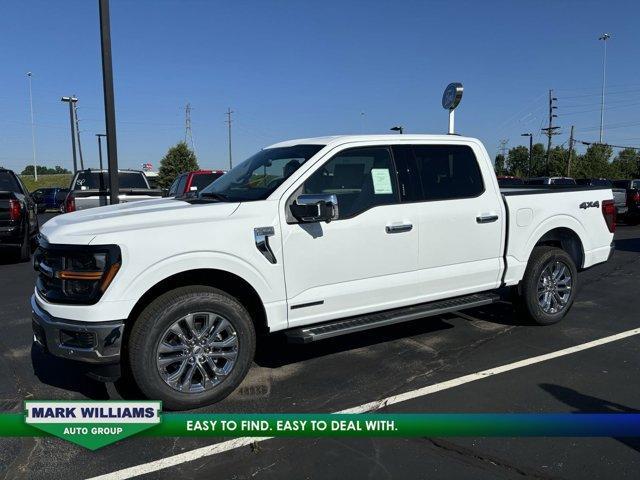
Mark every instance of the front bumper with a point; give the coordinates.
(88, 342)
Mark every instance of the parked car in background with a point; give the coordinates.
(632, 189)
(550, 181)
(190, 183)
(619, 194)
(509, 181)
(18, 215)
(90, 188)
(49, 198)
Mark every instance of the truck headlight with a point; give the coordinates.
(75, 274)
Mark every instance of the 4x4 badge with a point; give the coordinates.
(586, 205)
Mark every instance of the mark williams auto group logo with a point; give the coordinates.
(92, 424)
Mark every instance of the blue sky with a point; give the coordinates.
(294, 69)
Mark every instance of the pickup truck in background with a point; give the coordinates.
(90, 188)
(632, 190)
(18, 216)
(315, 237)
(190, 183)
(619, 194)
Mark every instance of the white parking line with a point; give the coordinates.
(222, 447)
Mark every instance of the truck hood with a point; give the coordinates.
(81, 227)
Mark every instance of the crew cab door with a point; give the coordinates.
(461, 217)
(361, 262)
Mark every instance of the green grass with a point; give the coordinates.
(58, 180)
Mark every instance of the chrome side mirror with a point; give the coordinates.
(310, 208)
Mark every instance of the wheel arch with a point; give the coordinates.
(566, 239)
(228, 282)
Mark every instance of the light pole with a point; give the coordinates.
(604, 38)
(71, 101)
(530, 135)
(33, 131)
(398, 128)
(109, 101)
(100, 135)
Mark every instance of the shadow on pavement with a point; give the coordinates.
(58, 373)
(273, 351)
(628, 245)
(589, 404)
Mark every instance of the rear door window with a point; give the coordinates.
(447, 172)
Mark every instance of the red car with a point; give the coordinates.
(193, 182)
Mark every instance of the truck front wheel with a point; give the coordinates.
(548, 288)
(191, 347)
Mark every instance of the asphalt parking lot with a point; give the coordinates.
(350, 371)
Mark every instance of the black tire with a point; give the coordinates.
(158, 316)
(541, 258)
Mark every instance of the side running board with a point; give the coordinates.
(334, 328)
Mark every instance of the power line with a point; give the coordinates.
(607, 145)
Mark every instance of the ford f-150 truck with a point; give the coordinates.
(90, 188)
(317, 238)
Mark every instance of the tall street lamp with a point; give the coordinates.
(530, 135)
(398, 128)
(33, 131)
(71, 101)
(604, 38)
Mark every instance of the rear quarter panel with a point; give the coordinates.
(531, 216)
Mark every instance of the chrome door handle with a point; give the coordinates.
(404, 227)
(486, 218)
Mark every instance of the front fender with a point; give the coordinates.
(138, 285)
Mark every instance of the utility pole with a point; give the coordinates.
(71, 100)
(229, 112)
(109, 102)
(530, 135)
(100, 135)
(33, 131)
(570, 152)
(502, 148)
(75, 113)
(550, 131)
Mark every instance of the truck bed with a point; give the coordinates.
(532, 211)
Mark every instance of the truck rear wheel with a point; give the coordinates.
(548, 288)
(191, 347)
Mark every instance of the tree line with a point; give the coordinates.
(42, 170)
(597, 161)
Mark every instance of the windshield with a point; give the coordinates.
(261, 174)
(100, 180)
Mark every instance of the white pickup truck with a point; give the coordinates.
(316, 237)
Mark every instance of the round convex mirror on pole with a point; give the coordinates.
(450, 100)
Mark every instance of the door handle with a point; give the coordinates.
(404, 227)
(486, 218)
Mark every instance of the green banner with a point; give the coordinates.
(96, 427)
